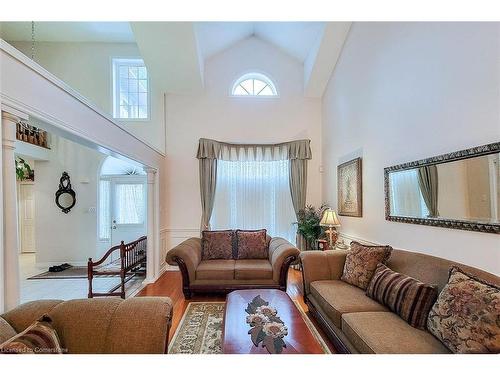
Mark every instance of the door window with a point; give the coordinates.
(129, 203)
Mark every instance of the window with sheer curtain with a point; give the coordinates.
(104, 207)
(254, 195)
(129, 203)
(406, 197)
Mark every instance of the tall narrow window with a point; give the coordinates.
(254, 84)
(254, 195)
(104, 208)
(130, 89)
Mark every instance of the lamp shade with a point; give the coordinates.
(329, 219)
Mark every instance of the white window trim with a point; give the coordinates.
(114, 88)
(255, 74)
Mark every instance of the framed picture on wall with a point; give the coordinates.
(349, 188)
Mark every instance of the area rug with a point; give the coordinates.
(70, 273)
(200, 329)
(79, 272)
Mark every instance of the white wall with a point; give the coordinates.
(70, 237)
(28, 89)
(407, 91)
(214, 114)
(87, 68)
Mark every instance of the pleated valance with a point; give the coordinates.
(211, 149)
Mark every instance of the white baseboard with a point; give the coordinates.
(165, 267)
(136, 292)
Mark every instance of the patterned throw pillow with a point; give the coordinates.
(252, 244)
(404, 295)
(361, 262)
(466, 315)
(38, 338)
(6, 330)
(217, 244)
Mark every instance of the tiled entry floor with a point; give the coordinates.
(66, 288)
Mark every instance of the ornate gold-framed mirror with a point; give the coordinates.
(459, 190)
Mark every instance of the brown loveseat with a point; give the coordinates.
(138, 325)
(358, 324)
(223, 275)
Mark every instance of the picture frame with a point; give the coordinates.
(322, 245)
(350, 188)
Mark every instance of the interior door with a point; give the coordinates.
(27, 217)
(128, 212)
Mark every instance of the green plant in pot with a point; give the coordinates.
(308, 224)
(23, 170)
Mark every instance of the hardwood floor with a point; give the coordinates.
(170, 285)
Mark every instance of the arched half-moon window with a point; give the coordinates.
(254, 84)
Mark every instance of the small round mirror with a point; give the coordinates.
(65, 196)
(66, 200)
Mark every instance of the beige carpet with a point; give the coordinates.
(200, 329)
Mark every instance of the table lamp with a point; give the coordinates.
(330, 220)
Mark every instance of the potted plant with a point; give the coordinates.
(308, 224)
(23, 170)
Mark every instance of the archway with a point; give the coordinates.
(122, 203)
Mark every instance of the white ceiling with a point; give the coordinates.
(175, 52)
(294, 38)
(110, 32)
(172, 59)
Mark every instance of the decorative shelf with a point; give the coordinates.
(32, 135)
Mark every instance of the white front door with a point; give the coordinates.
(128, 209)
(27, 217)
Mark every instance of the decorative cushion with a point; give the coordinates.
(38, 338)
(381, 332)
(361, 261)
(409, 298)
(253, 269)
(215, 269)
(252, 244)
(217, 244)
(6, 330)
(466, 315)
(337, 298)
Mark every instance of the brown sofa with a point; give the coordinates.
(357, 324)
(138, 325)
(223, 275)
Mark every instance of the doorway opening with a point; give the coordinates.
(122, 203)
(110, 207)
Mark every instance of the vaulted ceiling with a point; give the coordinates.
(293, 38)
(175, 52)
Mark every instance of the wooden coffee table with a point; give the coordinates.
(236, 339)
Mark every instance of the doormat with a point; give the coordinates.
(70, 273)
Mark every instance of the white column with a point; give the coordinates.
(158, 250)
(10, 233)
(151, 255)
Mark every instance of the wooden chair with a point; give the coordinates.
(132, 262)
